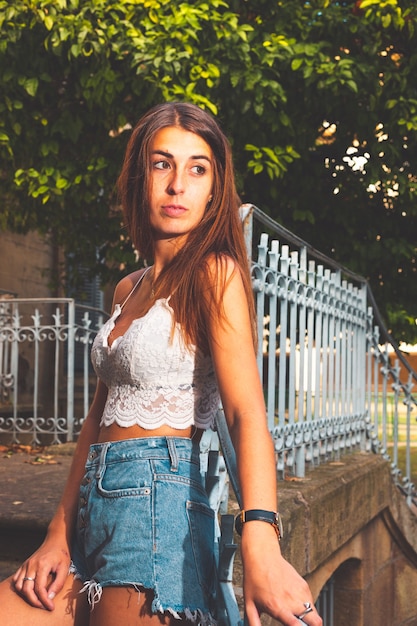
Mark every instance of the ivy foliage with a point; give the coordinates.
(318, 97)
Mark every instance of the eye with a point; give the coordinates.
(198, 169)
(161, 165)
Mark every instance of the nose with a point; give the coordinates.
(175, 184)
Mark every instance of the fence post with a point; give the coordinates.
(70, 370)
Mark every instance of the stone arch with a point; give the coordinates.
(341, 597)
(348, 593)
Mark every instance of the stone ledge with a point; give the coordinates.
(401, 521)
(333, 503)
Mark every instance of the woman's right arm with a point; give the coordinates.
(49, 565)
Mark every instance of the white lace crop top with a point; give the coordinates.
(154, 379)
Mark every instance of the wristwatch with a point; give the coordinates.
(271, 517)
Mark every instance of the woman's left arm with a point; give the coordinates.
(271, 584)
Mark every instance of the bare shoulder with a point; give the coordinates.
(222, 261)
(126, 284)
(224, 291)
(221, 270)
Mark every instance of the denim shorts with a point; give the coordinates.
(144, 520)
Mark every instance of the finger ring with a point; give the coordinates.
(28, 578)
(308, 609)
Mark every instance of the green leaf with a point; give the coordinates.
(61, 183)
(386, 20)
(31, 86)
(352, 85)
(49, 22)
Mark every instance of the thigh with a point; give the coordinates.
(127, 606)
(71, 607)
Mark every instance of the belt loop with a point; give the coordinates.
(173, 455)
(102, 463)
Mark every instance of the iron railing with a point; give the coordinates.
(334, 378)
(46, 380)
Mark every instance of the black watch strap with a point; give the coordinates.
(271, 517)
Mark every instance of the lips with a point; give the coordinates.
(174, 210)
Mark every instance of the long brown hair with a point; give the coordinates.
(218, 234)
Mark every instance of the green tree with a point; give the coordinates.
(318, 98)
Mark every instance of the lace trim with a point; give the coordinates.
(178, 407)
(154, 379)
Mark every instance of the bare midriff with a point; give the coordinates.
(118, 433)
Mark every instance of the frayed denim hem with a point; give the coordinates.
(73, 570)
(94, 591)
(197, 617)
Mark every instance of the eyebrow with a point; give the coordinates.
(194, 157)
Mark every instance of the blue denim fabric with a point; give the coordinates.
(144, 520)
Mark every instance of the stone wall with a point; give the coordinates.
(24, 263)
(347, 521)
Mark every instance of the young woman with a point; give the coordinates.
(132, 540)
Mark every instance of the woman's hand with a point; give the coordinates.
(43, 574)
(271, 585)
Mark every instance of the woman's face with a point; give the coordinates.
(181, 182)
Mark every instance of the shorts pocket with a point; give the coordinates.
(130, 478)
(201, 524)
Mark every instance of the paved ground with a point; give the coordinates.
(31, 482)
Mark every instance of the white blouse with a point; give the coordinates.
(153, 378)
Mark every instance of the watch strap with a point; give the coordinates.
(271, 517)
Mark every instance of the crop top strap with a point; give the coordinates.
(134, 287)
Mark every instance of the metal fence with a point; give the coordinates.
(46, 380)
(334, 379)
